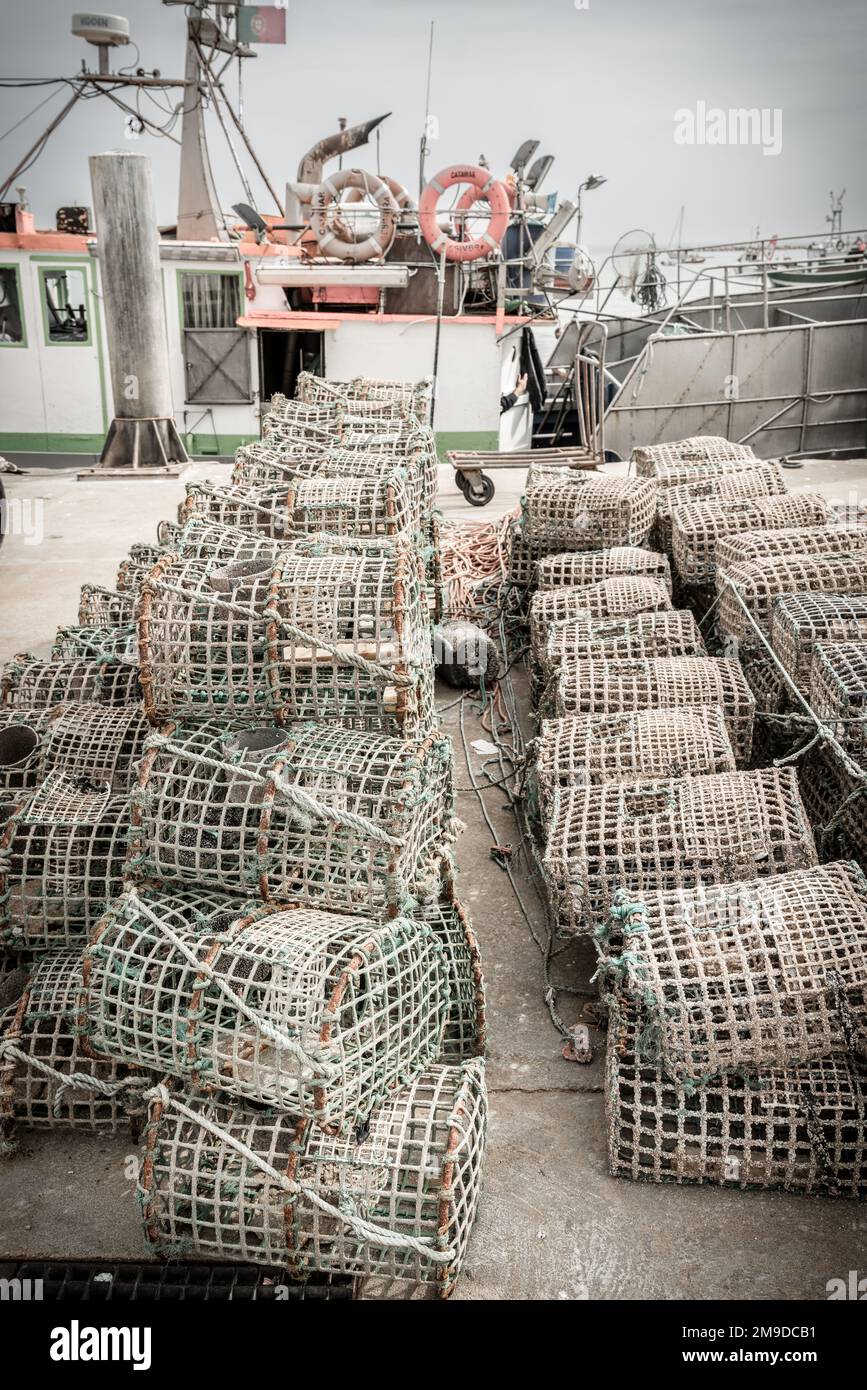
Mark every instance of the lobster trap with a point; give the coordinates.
(812, 539)
(396, 1199)
(574, 568)
(61, 861)
(697, 451)
(755, 584)
(524, 556)
(588, 750)
(319, 1014)
(365, 507)
(48, 1077)
(202, 539)
(413, 397)
(31, 683)
(749, 976)
(803, 1129)
(674, 633)
(799, 622)
(700, 528)
(100, 607)
(346, 821)
(95, 744)
(262, 463)
(763, 479)
(465, 1034)
(342, 638)
(20, 753)
(136, 566)
(589, 512)
(671, 834)
(837, 805)
(838, 693)
(621, 596)
(620, 687)
(295, 426)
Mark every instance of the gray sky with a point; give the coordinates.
(599, 87)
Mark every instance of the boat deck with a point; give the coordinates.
(552, 1224)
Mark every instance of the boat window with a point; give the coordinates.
(64, 304)
(11, 313)
(210, 299)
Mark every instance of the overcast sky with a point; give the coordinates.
(598, 86)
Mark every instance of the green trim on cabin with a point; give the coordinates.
(197, 445)
(466, 439)
(16, 269)
(46, 270)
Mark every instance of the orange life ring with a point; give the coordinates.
(484, 185)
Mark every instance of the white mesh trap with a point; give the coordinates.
(61, 861)
(465, 1033)
(48, 1078)
(202, 539)
(838, 693)
(589, 512)
(350, 822)
(95, 743)
(100, 607)
(21, 733)
(803, 1129)
(397, 1199)
(759, 582)
(410, 396)
(790, 540)
(671, 834)
(699, 528)
(262, 463)
(836, 804)
(316, 1013)
(674, 633)
(618, 687)
(133, 569)
(752, 975)
(31, 683)
(697, 451)
(621, 596)
(340, 637)
(800, 621)
(366, 507)
(581, 750)
(764, 479)
(580, 567)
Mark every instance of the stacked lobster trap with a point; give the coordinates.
(733, 965)
(736, 1039)
(225, 864)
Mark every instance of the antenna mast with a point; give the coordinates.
(424, 147)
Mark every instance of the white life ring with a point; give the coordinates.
(329, 191)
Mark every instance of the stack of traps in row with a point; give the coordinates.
(736, 1048)
(226, 815)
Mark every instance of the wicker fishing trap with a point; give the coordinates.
(319, 1014)
(697, 451)
(810, 539)
(764, 479)
(95, 743)
(671, 834)
(580, 567)
(588, 512)
(465, 1033)
(747, 976)
(100, 607)
(396, 1199)
(674, 633)
(799, 622)
(328, 817)
(622, 596)
(755, 584)
(61, 861)
(700, 528)
(803, 1129)
(838, 694)
(366, 507)
(582, 750)
(619, 687)
(341, 637)
(48, 1077)
(21, 769)
(31, 683)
